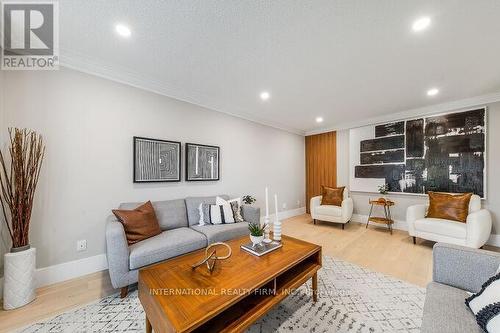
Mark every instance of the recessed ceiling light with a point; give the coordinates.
(123, 30)
(319, 119)
(432, 92)
(421, 24)
(264, 95)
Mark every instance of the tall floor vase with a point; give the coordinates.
(19, 278)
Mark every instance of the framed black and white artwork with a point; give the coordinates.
(156, 160)
(443, 153)
(202, 162)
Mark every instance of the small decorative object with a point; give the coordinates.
(211, 256)
(202, 162)
(383, 189)
(18, 180)
(156, 160)
(277, 222)
(248, 199)
(256, 233)
(267, 220)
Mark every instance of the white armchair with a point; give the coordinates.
(474, 233)
(332, 213)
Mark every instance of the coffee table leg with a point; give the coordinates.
(315, 287)
(149, 329)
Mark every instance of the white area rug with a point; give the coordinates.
(351, 299)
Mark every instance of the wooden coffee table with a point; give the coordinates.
(239, 291)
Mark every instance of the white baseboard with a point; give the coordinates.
(287, 214)
(69, 270)
(398, 224)
(494, 240)
(402, 225)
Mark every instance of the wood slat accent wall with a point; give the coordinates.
(321, 163)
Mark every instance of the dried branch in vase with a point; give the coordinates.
(18, 180)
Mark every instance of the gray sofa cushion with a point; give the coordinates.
(223, 232)
(193, 204)
(168, 244)
(171, 214)
(445, 311)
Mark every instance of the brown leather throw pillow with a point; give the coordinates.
(449, 206)
(140, 223)
(332, 195)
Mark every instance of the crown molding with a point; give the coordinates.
(458, 105)
(87, 65)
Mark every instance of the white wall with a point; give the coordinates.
(492, 202)
(4, 234)
(88, 124)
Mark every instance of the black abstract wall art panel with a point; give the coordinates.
(386, 156)
(390, 142)
(390, 129)
(415, 138)
(444, 153)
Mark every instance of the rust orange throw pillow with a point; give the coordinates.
(449, 206)
(332, 195)
(140, 223)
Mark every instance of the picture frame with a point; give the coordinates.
(156, 161)
(202, 162)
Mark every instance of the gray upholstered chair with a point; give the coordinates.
(456, 271)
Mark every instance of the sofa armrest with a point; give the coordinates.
(250, 214)
(117, 252)
(315, 202)
(347, 208)
(463, 267)
(414, 213)
(478, 228)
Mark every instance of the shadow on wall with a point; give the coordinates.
(4, 243)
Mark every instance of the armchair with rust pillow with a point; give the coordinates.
(449, 206)
(332, 195)
(139, 223)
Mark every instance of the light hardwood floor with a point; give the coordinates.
(373, 248)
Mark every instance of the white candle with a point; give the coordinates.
(267, 202)
(276, 206)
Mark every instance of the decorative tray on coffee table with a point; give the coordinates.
(262, 248)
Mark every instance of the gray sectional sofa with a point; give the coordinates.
(181, 234)
(456, 271)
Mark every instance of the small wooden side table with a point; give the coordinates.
(386, 219)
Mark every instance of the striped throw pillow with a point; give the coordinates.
(217, 214)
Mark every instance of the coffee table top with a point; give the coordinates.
(190, 297)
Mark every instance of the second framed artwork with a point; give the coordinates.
(202, 162)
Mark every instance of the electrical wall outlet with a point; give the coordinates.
(298, 203)
(81, 245)
(284, 205)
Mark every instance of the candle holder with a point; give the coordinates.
(277, 230)
(267, 230)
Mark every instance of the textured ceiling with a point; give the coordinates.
(342, 60)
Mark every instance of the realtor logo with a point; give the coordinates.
(30, 35)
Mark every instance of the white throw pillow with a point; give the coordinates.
(235, 205)
(486, 305)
